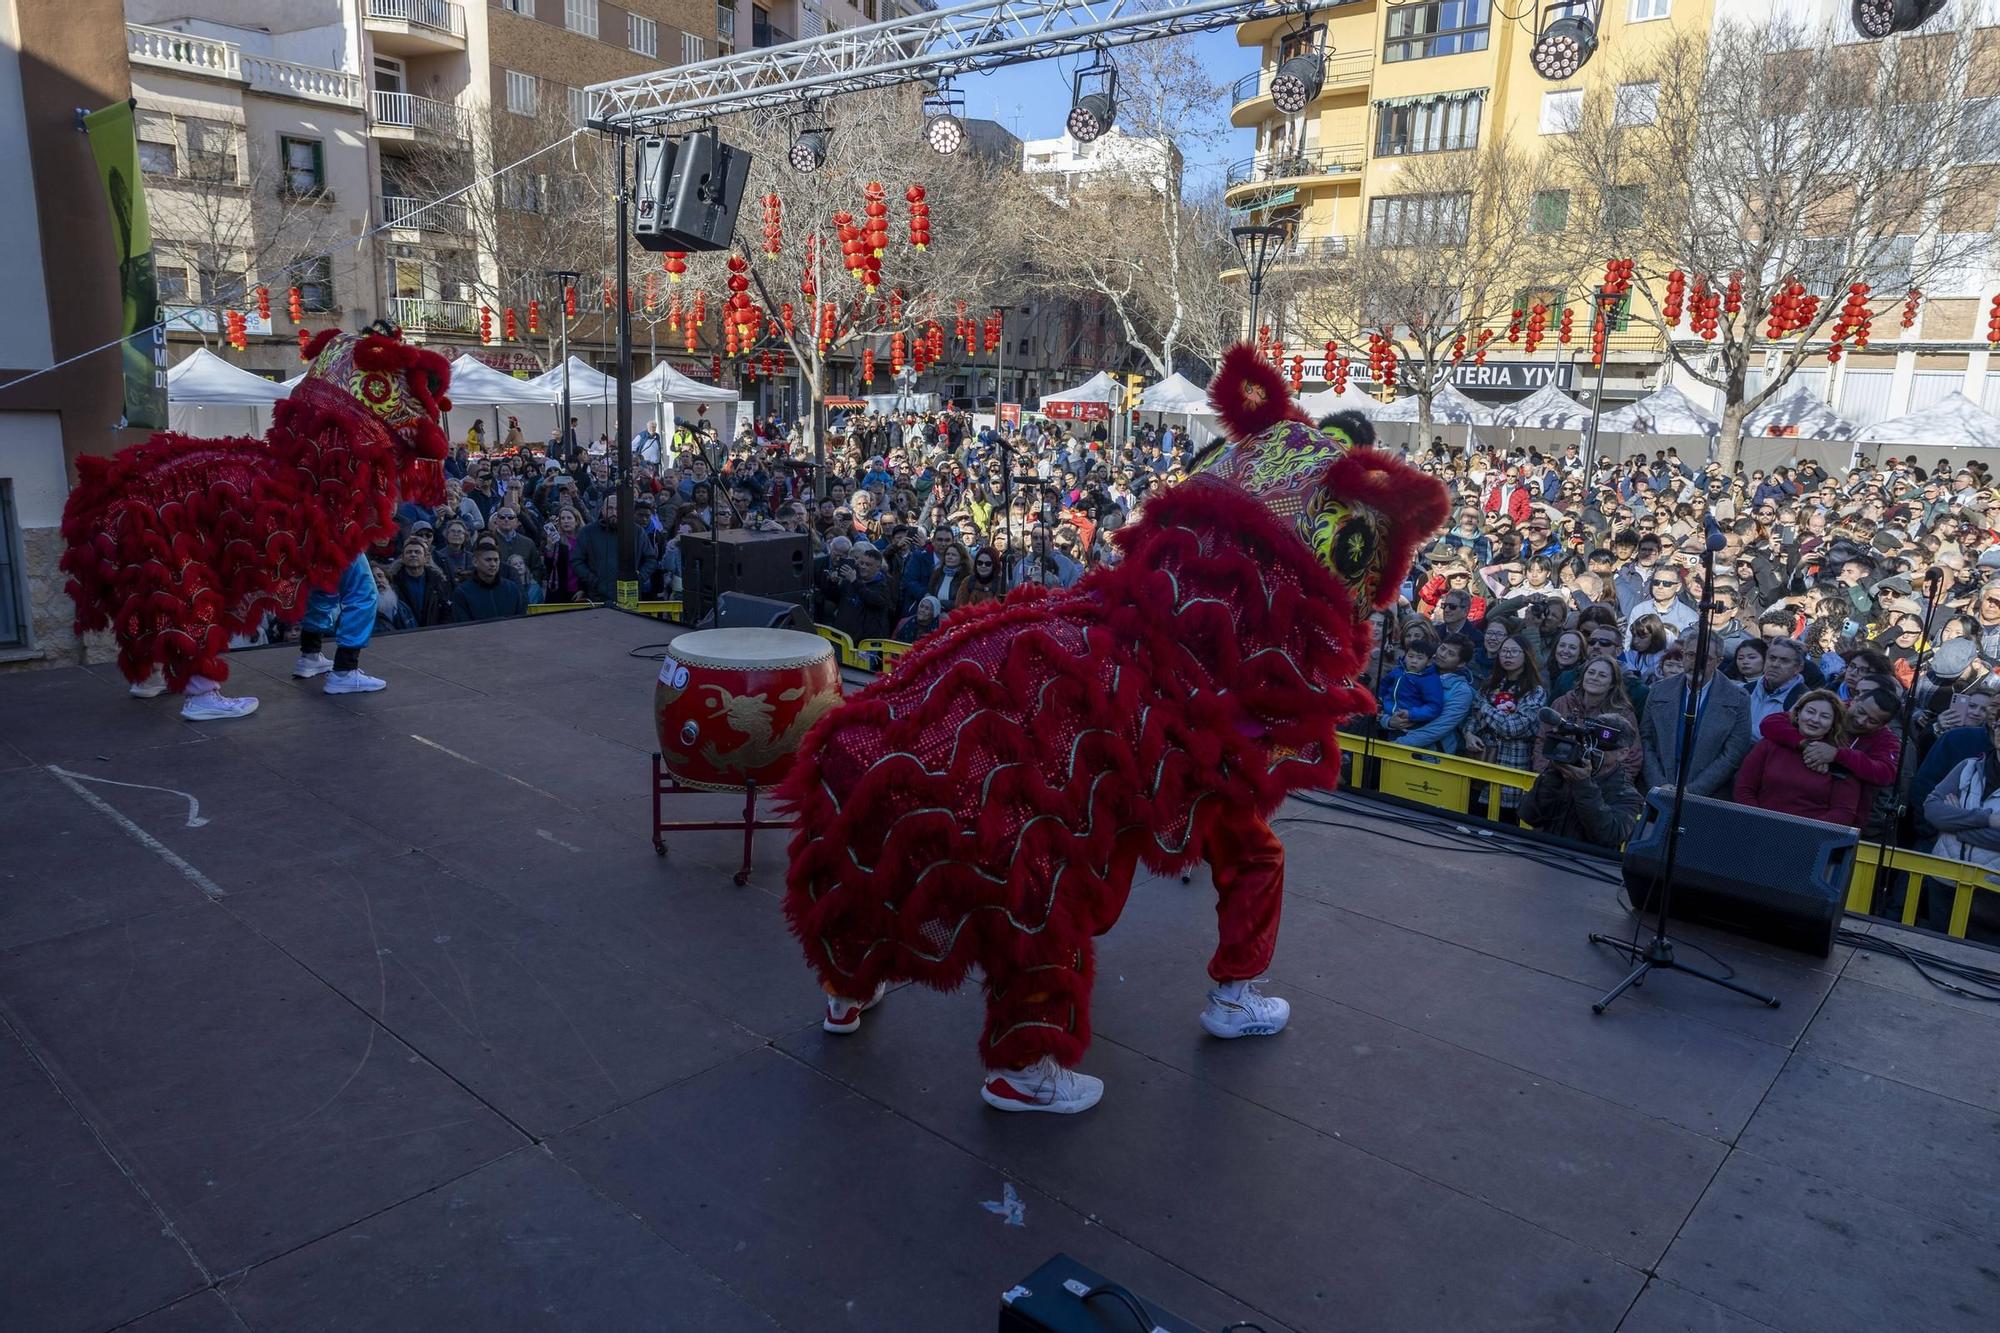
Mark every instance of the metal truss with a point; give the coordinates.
(920, 48)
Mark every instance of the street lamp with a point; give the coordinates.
(1253, 244)
(563, 278)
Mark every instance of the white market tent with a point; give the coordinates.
(1952, 422)
(1449, 407)
(1798, 414)
(476, 386)
(209, 398)
(1176, 394)
(1099, 388)
(1349, 399)
(1547, 408)
(1665, 411)
(680, 398)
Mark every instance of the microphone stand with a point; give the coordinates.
(1657, 954)
(1933, 585)
(718, 495)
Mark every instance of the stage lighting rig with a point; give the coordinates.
(1300, 75)
(810, 137)
(1093, 99)
(1876, 19)
(944, 119)
(1567, 40)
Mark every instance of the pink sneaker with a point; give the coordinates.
(844, 1015)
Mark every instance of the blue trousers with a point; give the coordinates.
(351, 605)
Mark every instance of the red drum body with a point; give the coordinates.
(732, 705)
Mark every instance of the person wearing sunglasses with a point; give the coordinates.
(1663, 599)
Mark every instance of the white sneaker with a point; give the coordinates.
(356, 681)
(1237, 1010)
(843, 1015)
(213, 707)
(1042, 1086)
(310, 665)
(152, 687)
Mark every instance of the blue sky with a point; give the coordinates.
(1031, 100)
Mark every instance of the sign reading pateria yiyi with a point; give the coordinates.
(1495, 378)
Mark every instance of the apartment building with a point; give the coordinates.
(1428, 76)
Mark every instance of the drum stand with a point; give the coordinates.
(666, 784)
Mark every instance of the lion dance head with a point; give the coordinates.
(1362, 514)
(400, 384)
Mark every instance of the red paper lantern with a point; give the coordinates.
(1670, 310)
(569, 301)
(486, 324)
(920, 217)
(1910, 307)
(305, 338)
(867, 365)
(535, 316)
(1732, 302)
(715, 369)
(295, 305)
(1563, 326)
(263, 303)
(512, 330)
(774, 232)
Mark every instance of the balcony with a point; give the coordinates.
(768, 34)
(1269, 169)
(421, 314)
(414, 27)
(1250, 99)
(406, 117)
(399, 210)
(1302, 253)
(163, 48)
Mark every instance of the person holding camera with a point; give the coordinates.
(1585, 793)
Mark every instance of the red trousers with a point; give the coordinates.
(1045, 1009)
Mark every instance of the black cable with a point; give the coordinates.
(1125, 1297)
(645, 652)
(1242, 1323)
(1925, 962)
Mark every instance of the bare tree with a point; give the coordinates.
(229, 219)
(1762, 156)
(1450, 252)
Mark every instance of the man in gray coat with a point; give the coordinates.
(1721, 732)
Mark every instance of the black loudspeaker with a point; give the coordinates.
(777, 565)
(704, 187)
(650, 195)
(1757, 873)
(1057, 1298)
(741, 610)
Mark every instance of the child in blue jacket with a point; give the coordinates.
(1413, 693)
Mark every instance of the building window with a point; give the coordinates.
(1548, 212)
(305, 165)
(579, 106)
(1436, 28)
(212, 151)
(522, 93)
(1562, 111)
(693, 49)
(580, 16)
(219, 285)
(1446, 124)
(314, 279)
(1418, 219)
(173, 282)
(1636, 104)
(522, 191)
(158, 159)
(642, 35)
(1308, 42)
(525, 8)
(1624, 206)
(725, 25)
(1888, 263)
(1643, 10)
(14, 613)
(1978, 131)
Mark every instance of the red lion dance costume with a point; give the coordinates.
(987, 803)
(178, 544)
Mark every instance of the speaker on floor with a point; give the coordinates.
(741, 610)
(1756, 873)
(1062, 1296)
(776, 565)
(704, 188)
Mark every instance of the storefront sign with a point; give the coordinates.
(1010, 415)
(1495, 378)
(1062, 411)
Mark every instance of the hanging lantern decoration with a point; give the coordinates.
(1563, 326)
(700, 309)
(1479, 356)
(1538, 324)
(715, 369)
(1338, 379)
(1298, 373)
(510, 329)
(1458, 348)
(1670, 309)
(305, 340)
(786, 317)
(738, 309)
(608, 297)
(774, 226)
(1993, 324)
(1852, 322)
(1515, 324)
(867, 365)
(486, 324)
(1732, 302)
(1332, 352)
(849, 237)
(896, 354)
(673, 313)
(876, 209)
(920, 217)
(236, 330)
(995, 328)
(1784, 310)
(263, 303)
(1617, 278)
(535, 310)
(295, 305)
(936, 334)
(676, 265)
(569, 301)
(895, 305)
(1910, 307)
(1600, 317)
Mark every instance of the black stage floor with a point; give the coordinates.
(407, 1028)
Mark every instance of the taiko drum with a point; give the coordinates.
(732, 705)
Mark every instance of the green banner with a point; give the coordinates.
(114, 140)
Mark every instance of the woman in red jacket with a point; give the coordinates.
(1775, 775)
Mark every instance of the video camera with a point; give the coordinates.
(1580, 744)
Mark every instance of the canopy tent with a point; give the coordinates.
(1349, 399)
(1176, 394)
(664, 384)
(1798, 414)
(1448, 407)
(476, 385)
(208, 397)
(1952, 422)
(1665, 411)
(1547, 408)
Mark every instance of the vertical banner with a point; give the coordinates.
(114, 141)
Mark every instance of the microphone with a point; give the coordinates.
(1549, 717)
(1934, 578)
(1715, 542)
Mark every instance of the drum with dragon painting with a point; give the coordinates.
(732, 705)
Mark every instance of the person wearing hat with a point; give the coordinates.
(1592, 801)
(923, 618)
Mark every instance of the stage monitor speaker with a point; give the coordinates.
(651, 197)
(703, 191)
(777, 565)
(742, 610)
(1052, 1300)
(1756, 873)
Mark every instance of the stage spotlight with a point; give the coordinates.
(1876, 19)
(1565, 45)
(944, 120)
(1297, 82)
(808, 152)
(1093, 100)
